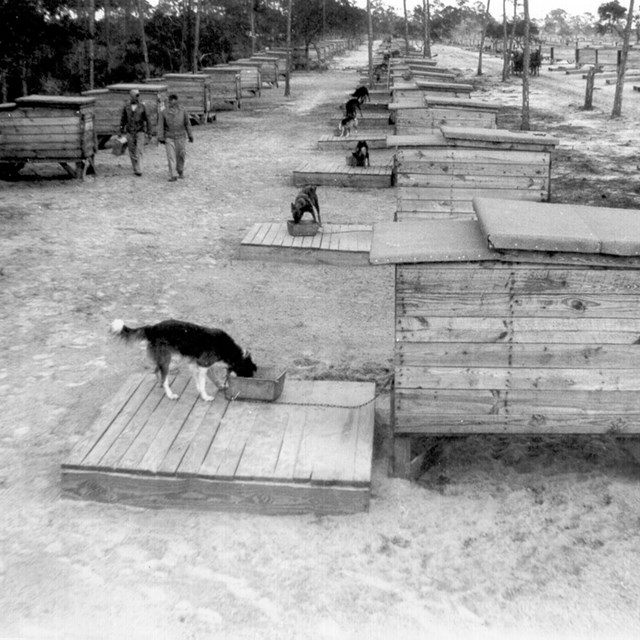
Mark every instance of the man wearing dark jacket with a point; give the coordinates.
(135, 124)
(174, 128)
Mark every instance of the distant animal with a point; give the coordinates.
(380, 70)
(361, 94)
(201, 346)
(352, 107)
(306, 202)
(346, 125)
(361, 154)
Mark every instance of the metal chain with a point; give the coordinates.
(333, 406)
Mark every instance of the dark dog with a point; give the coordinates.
(306, 202)
(361, 94)
(361, 154)
(352, 107)
(201, 346)
(346, 124)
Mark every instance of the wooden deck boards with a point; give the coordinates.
(339, 244)
(310, 451)
(338, 174)
(374, 140)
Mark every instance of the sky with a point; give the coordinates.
(538, 9)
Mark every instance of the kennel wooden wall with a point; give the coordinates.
(54, 129)
(194, 93)
(508, 340)
(225, 87)
(439, 174)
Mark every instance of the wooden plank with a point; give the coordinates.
(535, 424)
(505, 170)
(127, 437)
(148, 434)
(261, 454)
(515, 354)
(226, 449)
(473, 156)
(492, 278)
(290, 444)
(167, 434)
(195, 437)
(108, 413)
(109, 439)
(565, 305)
(207, 494)
(542, 379)
(413, 407)
(415, 195)
(364, 447)
(534, 330)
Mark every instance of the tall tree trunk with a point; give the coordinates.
(91, 10)
(622, 68)
(406, 29)
(186, 5)
(525, 126)
(4, 90)
(107, 36)
(81, 45)
(287, 77)
(143, 42)
(196, 38)
(426, 47)
(252, 25)
(485, 21)
(505, 49)
(370, 30)
(370, 43)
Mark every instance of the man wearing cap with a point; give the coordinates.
(135, 124)
(174, 128)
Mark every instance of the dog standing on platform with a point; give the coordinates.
(306, 202)
(201, 346)
(346, 125)
(361, 154)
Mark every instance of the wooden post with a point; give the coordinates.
(552, 55)
(622, 65)
(287, 77)
(370, 48)
(588, 98)
(577, 56)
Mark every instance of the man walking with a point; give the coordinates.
(174, 128)
(135, 124)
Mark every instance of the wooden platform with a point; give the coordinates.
(272, 458)
(374, 140)
(339, 244)
(337, 174)
(376, 120)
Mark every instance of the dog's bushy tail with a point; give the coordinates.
(120, 329)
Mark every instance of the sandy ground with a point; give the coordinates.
(503, 538)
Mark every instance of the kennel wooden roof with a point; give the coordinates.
(531, 226)
(515, 230)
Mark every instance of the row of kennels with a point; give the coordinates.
(524, 321)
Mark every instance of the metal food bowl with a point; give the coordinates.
(266, 385)
(302, 228)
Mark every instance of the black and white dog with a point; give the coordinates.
(361, 94)
(352, 108)
(306, 202)
(201, 346)
(346, 125)
(361, 154)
